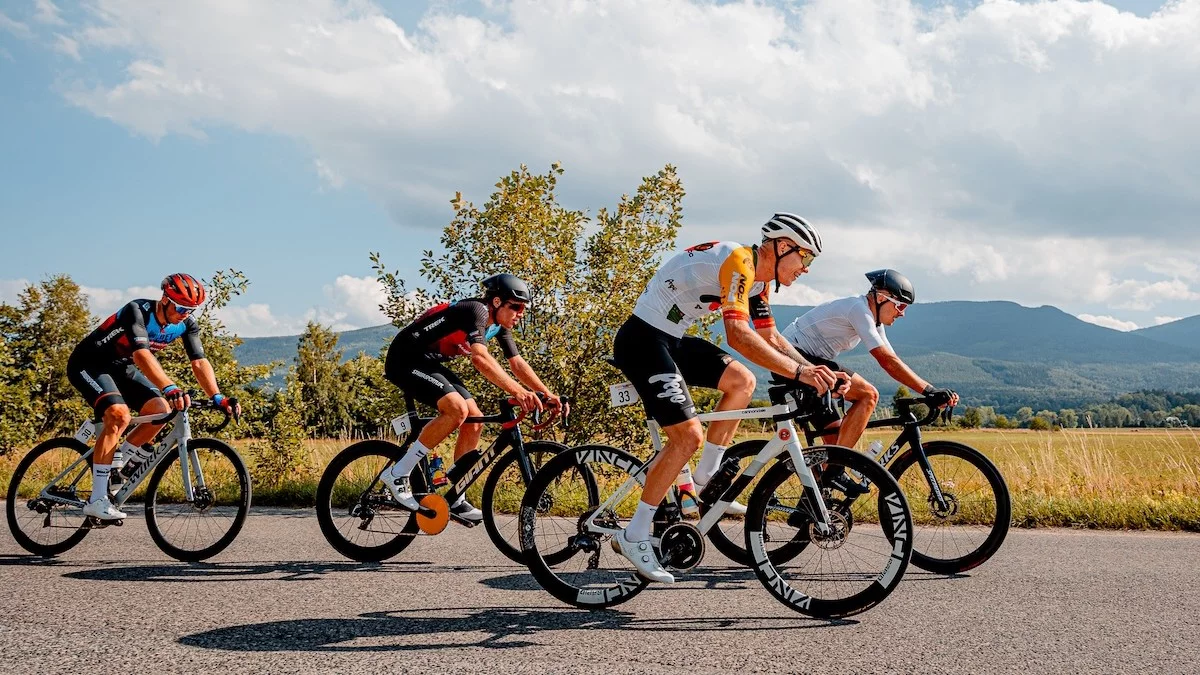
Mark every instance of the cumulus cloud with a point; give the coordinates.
(48, 13)
(10, 289)
(105, 301)
(1109, 322)
(1160, 320)
(1036, 151)
(358, 300)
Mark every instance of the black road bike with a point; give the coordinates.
(960, 503)
(361, 521)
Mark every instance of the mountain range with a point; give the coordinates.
(993, 353)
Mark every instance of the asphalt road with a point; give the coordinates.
(280, 600)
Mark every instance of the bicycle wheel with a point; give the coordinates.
(974, 522)
(356, 512)
(848, 570)
(40, 526)
(729, 534)
(502, 493)
(203, 527)
(579, 567)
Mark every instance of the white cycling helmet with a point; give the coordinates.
(793, 228)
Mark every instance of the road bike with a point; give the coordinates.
(841, 556)
(960, 501)
(192, 512)
(361, 520)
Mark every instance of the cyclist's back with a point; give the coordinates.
(837, 326)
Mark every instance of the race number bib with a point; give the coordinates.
(622, 394)
(402, 425)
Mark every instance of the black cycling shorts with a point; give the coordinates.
(661, 367)
(106, 385)
(423, 378)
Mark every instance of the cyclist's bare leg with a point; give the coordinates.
(144, 432)
(865, 397)
(452, 410)
(683, 440)
(468, 434)
(116, 418)
(737, 388)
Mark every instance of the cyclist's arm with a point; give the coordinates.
(899, 370)
(146, 362)
(762, 353)
(524, 372)
(489, 367)
(203, 371)
(780, 343)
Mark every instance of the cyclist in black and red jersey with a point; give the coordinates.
(415, 363)
(114, 368)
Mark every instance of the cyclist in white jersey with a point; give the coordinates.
(657, 356)
(827, 330)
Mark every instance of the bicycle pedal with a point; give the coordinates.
(463, 521)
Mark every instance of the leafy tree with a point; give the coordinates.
(373, 400)
(323, 392)
(1039, 424)
(585, 278)
(1067, 418)
(1001, 422)
(1024, 415)
(280, 456)
(971, 419)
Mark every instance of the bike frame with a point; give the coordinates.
(785, 439)
(467, 469)
(178, 437)
(909, 435)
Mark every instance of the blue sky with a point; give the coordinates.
(117, 186)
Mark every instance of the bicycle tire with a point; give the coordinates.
(539, 452)
(889, 550)
(14, 500)
(729, 534)
(387, 453)
(240, 502)
(925, 555)
(591, 591)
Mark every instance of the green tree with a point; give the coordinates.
(1039, 424)
(279, 456)
(1024, 415)
(584, 277)
(1001, 422)
(1067, 418)
(373, 401)
(971, 419)
(323, 391)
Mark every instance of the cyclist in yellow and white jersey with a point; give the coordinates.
(651, 348)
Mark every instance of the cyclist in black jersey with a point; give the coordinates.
(416, 363)
(114, 367)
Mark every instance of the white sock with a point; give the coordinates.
(638, 528)
(134, 452)
(408, 462)
(710, 461)
(100, 481)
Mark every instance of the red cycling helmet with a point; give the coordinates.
(184, 290)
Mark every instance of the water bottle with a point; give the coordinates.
(687, 491)
(720, 481)
(118, 460)
(438, 467)
(875, 449)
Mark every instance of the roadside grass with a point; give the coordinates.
(1145, 479)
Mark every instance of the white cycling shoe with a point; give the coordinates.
(103, 509)
(641, 554)
(735, 509)
(466, 511)
(400, 490)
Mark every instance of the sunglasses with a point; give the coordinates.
(806, 256)
(183, 309)
(900, 306)
(516, 306)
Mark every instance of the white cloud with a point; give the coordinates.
(15, 27)
(1109, 322)
(105, 301)
(10, 289)
(351, 302)
(67, 46)
(48, 13)
(1160, 320)
(358, 300)
(1035, 151)
(257, 320)
(800, 294)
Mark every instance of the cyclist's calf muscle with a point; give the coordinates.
(683, 440)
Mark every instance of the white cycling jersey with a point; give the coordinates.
(717, 275)
(835, 327)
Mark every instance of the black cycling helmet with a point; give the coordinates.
(897, 285)
(506, 287)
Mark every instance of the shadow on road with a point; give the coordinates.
(713, 578)
(259, 571)
(460, 628)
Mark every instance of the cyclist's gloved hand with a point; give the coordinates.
(940, 397)
(176, 397)
(229, 404)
